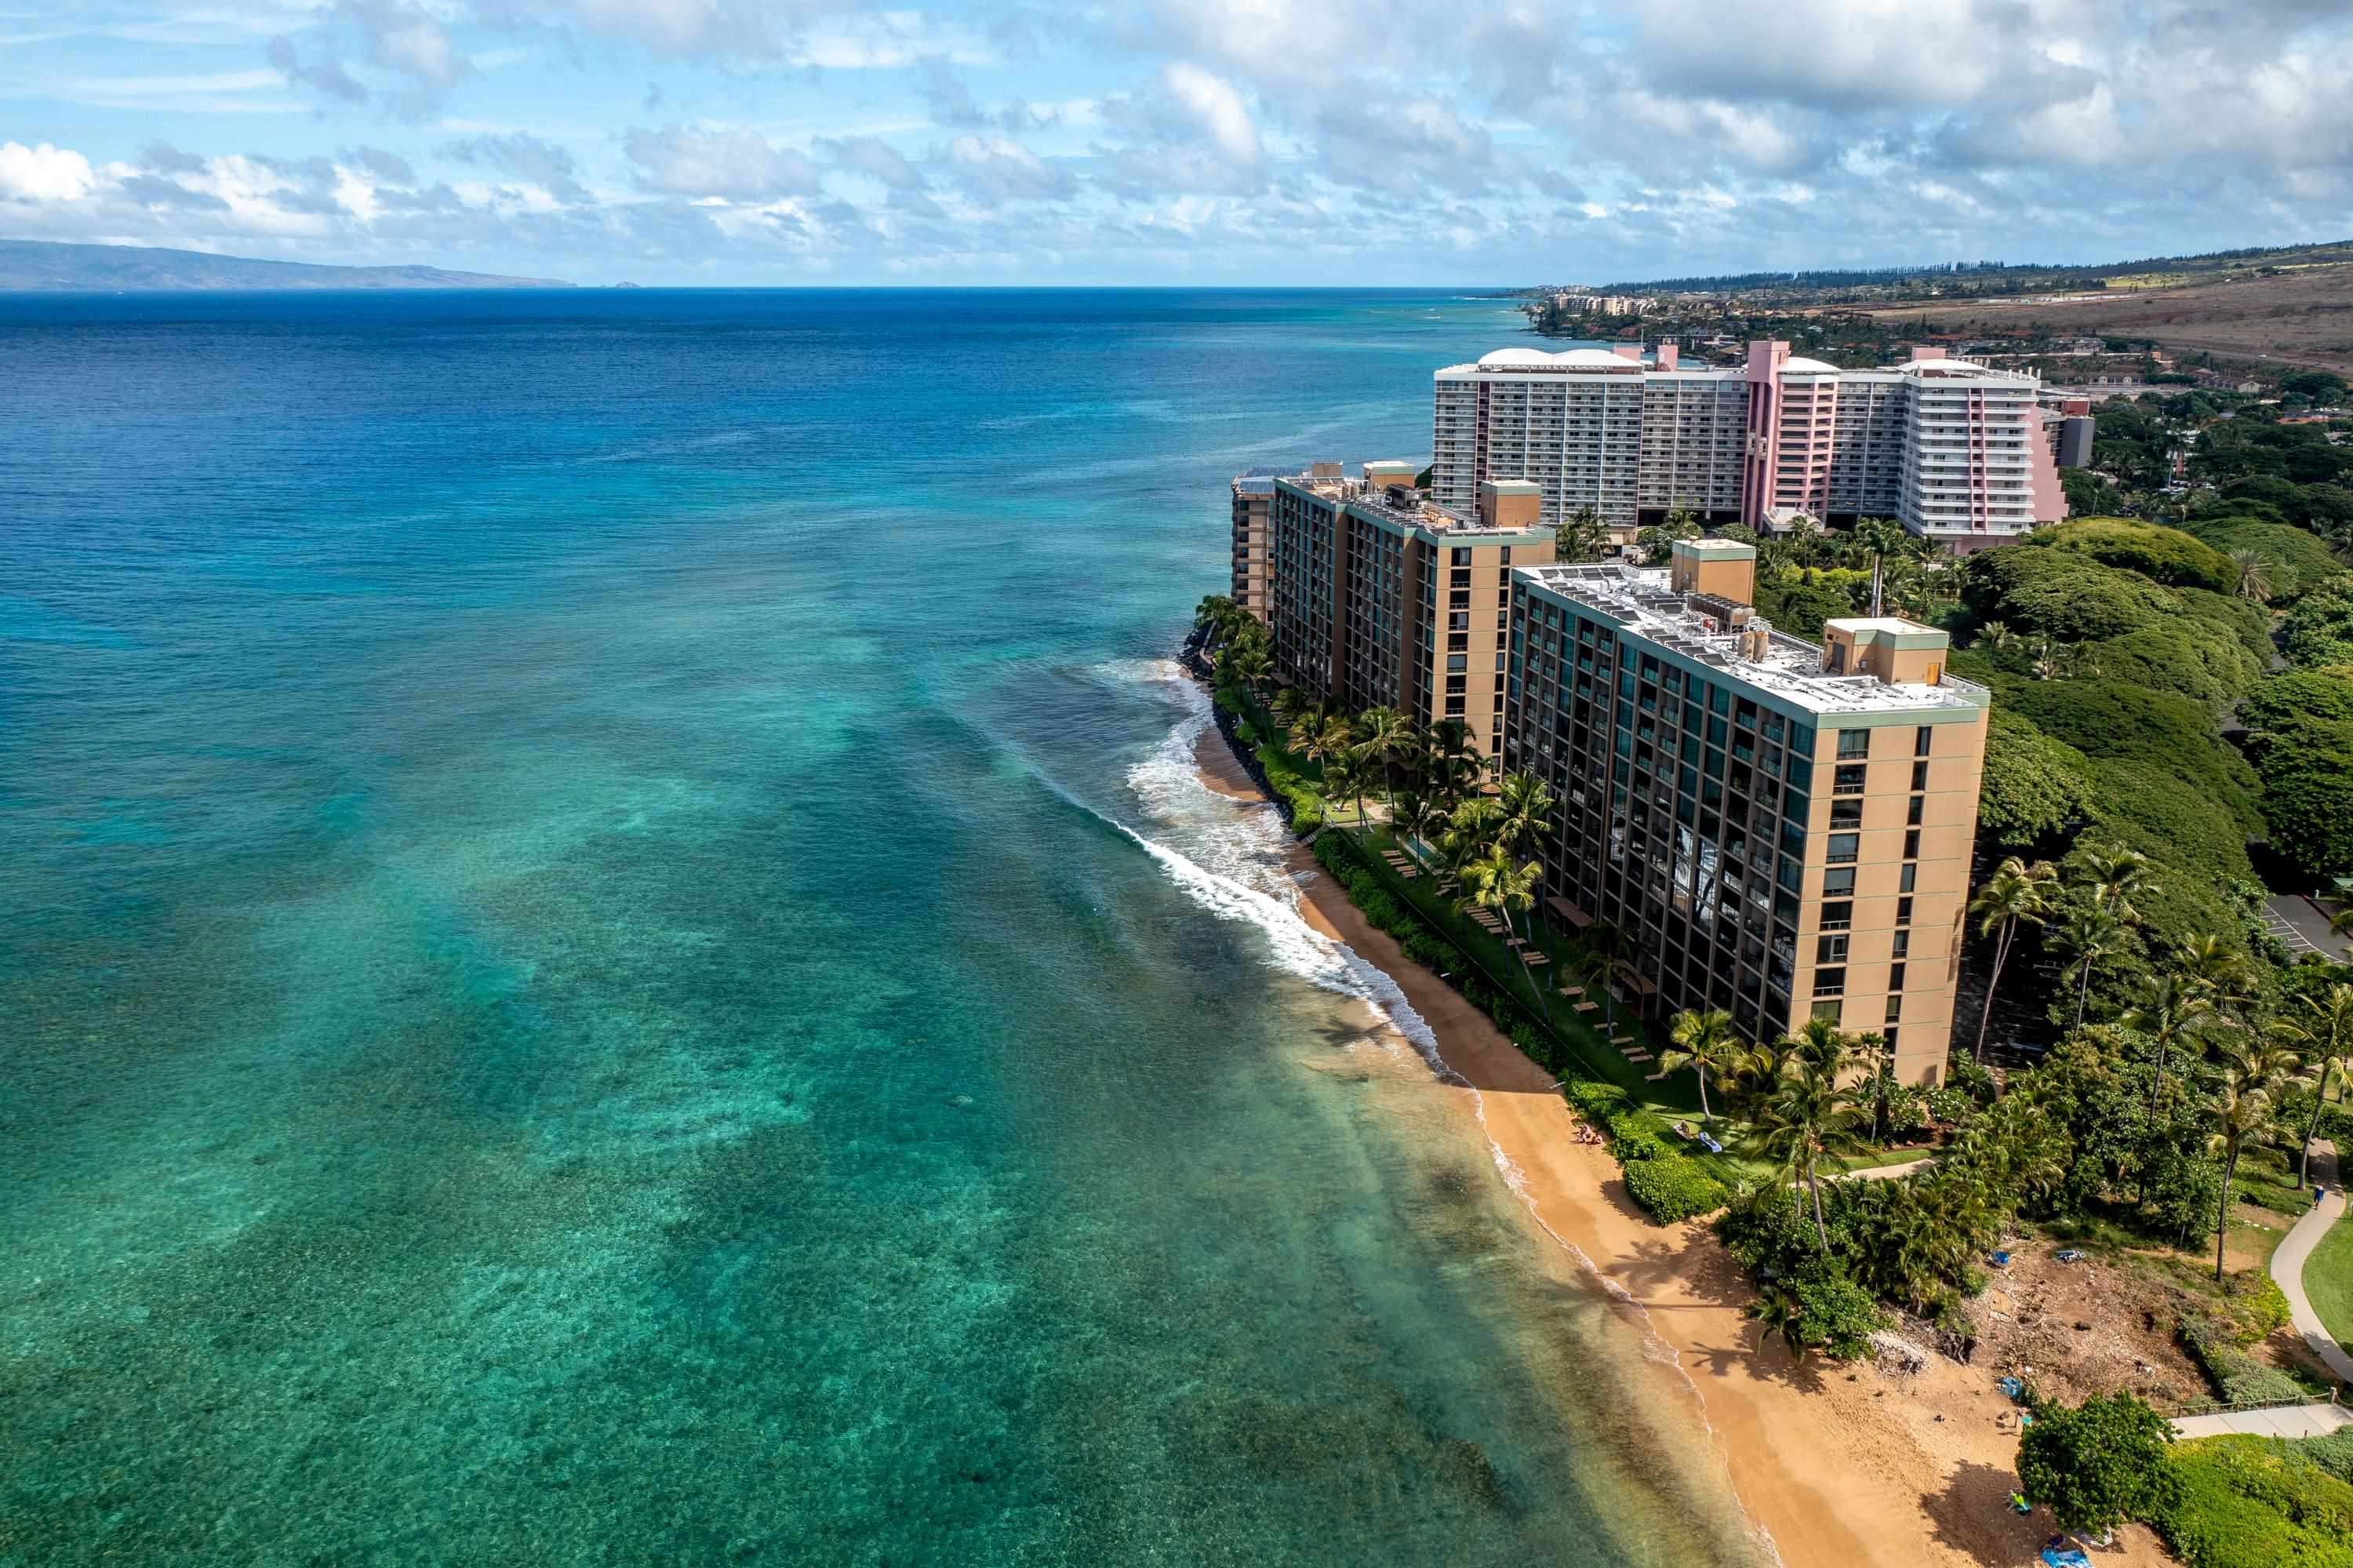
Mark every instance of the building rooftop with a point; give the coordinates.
(1702, 629)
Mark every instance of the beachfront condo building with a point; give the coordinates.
(1378, 599)
(1779, 828)
(1953, 450)
(1253, 495)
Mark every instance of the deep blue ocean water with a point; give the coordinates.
(611, 955)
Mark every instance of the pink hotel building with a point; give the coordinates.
(1952, 450)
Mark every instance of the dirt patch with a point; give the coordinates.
(2027, 1327)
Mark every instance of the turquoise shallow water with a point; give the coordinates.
(612, 958)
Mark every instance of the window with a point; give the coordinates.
(1895, 1012)
(1919, 806)
(1459, 598)
(1829, 1012)
(1903, 912)
(1458, 661)
(1912, 844)
(1837, 916)
(1458, 577)
(1460, 555)
(1839, 881)
(1846, 814)
(1829, 982)
(1853, 743)
(1843, 848)
(1847, 781)
(1919, 777)
(1829, 949)
(1919, 737)
(1895, 977)
(1911, 877)
(1903, 944)
(1456, 684)
(1507, 561)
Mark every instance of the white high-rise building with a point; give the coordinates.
(1951, 449)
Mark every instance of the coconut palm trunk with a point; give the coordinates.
(2000, 956)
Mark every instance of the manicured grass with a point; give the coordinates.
(2328, 1280)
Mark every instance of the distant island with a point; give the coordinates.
(43, 265)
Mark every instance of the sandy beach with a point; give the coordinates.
(1838, 1466)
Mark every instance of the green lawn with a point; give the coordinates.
(2328, 1280)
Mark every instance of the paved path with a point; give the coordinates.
(2287, 1262)
(1883, 1172)
(2279, 1421)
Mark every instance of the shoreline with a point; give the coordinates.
(1830, 1464)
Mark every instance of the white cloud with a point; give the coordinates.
(1212, 100)
(44, 173)
(996, 169)
(737, 164)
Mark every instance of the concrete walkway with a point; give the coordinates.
(2287, 1262)
(1883, 1172)
(2279, 1421)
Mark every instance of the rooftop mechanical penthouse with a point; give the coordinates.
(1952, 450)
(1782, 829)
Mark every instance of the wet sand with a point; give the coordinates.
(1837, 1465)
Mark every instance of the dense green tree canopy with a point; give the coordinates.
(2298, 558)
(2165, 555)
(2099, 1463)
(2034, 786)
(2061, 593)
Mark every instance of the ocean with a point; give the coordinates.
(613, 954)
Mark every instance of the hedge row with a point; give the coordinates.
(1301, 803)
(2237, 1376)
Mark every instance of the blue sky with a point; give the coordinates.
(1308, 141)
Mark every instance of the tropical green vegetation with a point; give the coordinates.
(2255, 1502)
(2100, 1464)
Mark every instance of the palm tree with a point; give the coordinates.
(1323, 737)
(2329, 1040)
(1580, 538)
(2168, 1008)
(1823, 1045)
(2090, 934)
(2242, 1109)
(2015, 892)
(1879, 539)
(1527, 808)
(1453, 761)
(1803, 1122)
(1415, 817)
(1996, 635)
(1510, 889)
(1705, 1043)
(1383, 734)
(1781, 1313)
(1475, 824)
(2217, 970)
(1344, 776)
(1293, 708)
(2114, 874)
(2254, 576)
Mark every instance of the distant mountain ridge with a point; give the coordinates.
(40, 264)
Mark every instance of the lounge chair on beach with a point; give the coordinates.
(2068, 1559)
(1710, 1144)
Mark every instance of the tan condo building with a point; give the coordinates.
(1254, 495)
(1378, 599)
(1782, 829)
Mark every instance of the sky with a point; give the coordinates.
(1215, 142)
